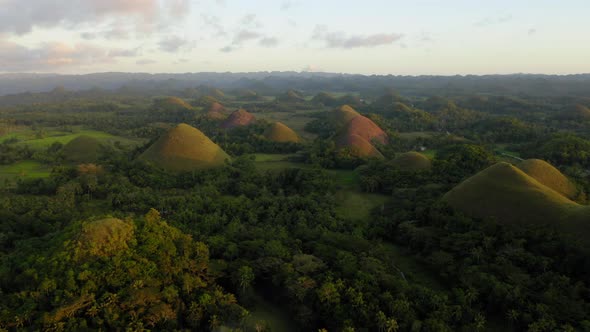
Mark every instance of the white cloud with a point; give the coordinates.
(342, 40)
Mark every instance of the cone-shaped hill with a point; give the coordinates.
(508, 194)
(365, 128)
(326, 99)
(358, 146)
(278, 132)
(171, 104)
(411, 161)
(550, 176)
(238, 118)
(342, 115)
(184, 148)
(215, 111)
(82, 149)
(291, 96)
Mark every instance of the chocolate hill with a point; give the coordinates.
(184, 148)
(238, 118)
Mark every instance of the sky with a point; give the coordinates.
(411, 37)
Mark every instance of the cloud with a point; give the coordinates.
(213, 23)
(532, 31)
(20, 17)
(245, 35)
(268, 42)
(288, 4)
(341, 40)
(126, 53)
(250, 21)
(173, 44)
(227, 49)
(493, 21)
(51, 56)
(143, 62)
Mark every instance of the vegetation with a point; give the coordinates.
(125, 210)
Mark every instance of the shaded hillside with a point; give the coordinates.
(82, 149)
(509, 195)
(358, 146)
(412, 161)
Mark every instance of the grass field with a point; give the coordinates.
(27, 169)
(357, 205)
(52, 135)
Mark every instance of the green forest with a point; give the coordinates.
(337, 209)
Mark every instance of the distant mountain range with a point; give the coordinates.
(277, 82)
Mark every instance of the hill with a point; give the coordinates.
(367, 129)
(248, 95)
(291, 96)
(508, 194)
(109, 274)
(238, 118)
(184, 148)
(82, 149)
(215, 111)
(342, 115)
(325, 99)
(550, 176)
(278, 132)
(350, 100)
(358, 146)
(171, 103)
(412, 161)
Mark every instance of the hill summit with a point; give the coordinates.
(550, 176)
(184, 148)
(238, 118)
(278, 132)
(342, 115)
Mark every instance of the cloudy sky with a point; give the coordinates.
(369, 37)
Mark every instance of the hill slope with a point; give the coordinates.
(278, 132)
(412, 161)
(367, 129)
(238, 118)
(342, 115)
(550, 176)
(358, 146)
(184, 148)
(508, 194)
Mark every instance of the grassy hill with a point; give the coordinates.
(358, 146)
(278, 132)
(184, 148)
(171, 103)
(365, 128)
(550, 176)
(238, 118)
(82, 149)
(508, 194)
(412, 161)
(342, 115)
